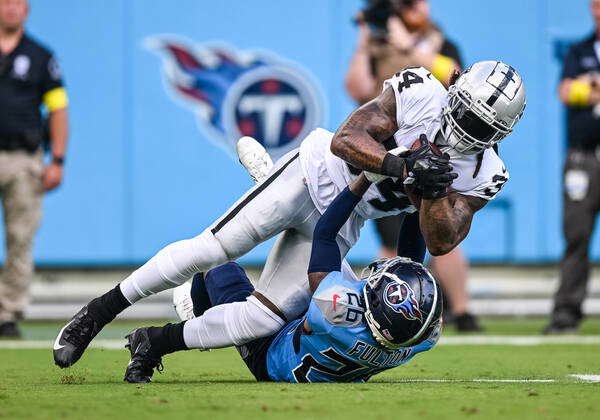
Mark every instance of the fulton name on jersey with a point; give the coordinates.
(340, 346)
(420, 99)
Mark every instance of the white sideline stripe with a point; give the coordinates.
(587, 378)
(477, 380)
(468, 340)
(47, 344)
(517, 340)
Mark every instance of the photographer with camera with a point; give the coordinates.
(393, 35)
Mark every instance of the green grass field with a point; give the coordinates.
(217, 385)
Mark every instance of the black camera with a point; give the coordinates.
(377, 12)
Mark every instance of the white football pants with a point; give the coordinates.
(279, 203)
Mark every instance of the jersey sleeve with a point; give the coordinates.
(54, 95)
(488, 182)
(418, 94)
(335, 303)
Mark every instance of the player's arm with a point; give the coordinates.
(358, 140)
(411, 243)
(325, 255)
(446, 221)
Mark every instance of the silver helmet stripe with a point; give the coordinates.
(508, 77)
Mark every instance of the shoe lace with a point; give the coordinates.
(188, 308)
(78, 333)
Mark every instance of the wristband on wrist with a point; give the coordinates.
(392, 165)
(58, 160)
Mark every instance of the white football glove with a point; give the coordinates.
(373, 177)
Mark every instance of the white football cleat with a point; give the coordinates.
(182, 301)
(254, 157)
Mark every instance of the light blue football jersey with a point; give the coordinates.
(340, 347)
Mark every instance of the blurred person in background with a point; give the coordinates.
(580, 92)
(29, 77)
(393, 35)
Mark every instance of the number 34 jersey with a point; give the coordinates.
(340, 347)
(420, 99)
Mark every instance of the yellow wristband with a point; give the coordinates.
(579, 93)
(55, 99)
(442, 67)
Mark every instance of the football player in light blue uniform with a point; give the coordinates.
(340, 346)
(352, 329)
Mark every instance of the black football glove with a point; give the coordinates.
(412, 157)
(394, 165)
(433, 175)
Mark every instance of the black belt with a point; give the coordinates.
(28, 141)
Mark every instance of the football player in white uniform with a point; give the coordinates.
(465, 122)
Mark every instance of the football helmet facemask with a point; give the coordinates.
(484, 105)
(403, 302)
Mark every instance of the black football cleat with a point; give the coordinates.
(143, 361)
(73, 338)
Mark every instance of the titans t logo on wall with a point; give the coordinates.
(234, 94)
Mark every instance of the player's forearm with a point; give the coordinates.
(411, 243)
(444, 223)
(358, 148)
(358, 140)
(325, 255)
(59, 130)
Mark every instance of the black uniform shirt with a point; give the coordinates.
(583, 123)
(29, 75)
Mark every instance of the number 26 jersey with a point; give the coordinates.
(340, 347)
(420, 99)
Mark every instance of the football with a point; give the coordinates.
(414, 193)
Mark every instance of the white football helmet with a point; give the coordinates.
(484, 105)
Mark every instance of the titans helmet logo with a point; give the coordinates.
(234, 94)
(401, 298)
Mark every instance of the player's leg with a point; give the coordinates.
(267, 209)
(280, 201)
(223, 289)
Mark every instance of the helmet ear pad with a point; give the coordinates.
(404, 305)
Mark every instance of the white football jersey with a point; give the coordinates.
(420, 99)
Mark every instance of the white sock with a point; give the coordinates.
(173, 265)
(231, 324)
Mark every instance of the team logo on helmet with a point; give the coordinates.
(241, 93)
(401, 298)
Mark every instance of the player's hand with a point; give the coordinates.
(411, 157)
(433, 175)
(52, 177)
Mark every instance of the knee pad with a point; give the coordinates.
(231, 324)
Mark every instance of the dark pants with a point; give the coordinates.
(581, 203)
(226, 284)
